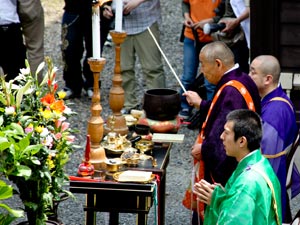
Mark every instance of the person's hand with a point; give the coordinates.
(188, 22)
(231, 24)
(129, 5)
(193, 98)
(107, 12)
(201, 23)
(196, 151)
(204, 191)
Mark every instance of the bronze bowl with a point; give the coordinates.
(161, 104)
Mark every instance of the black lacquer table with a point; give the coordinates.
(116, 197)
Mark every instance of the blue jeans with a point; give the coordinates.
(76, 37)
(190, 70)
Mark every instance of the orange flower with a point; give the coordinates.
(58, 106)
(48, 99)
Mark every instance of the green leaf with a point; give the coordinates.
(40, 67)
(32, 149)
(17, 128)
(3, 100)
(15, 213)
(24, 118)
(6, 219)
(21, 92)
(27, 63)
(36, 161)
(6, 191)
(48, 175)
(1, 120)
(45, 79)
(4, 143)
(22, 171)
(24, 143)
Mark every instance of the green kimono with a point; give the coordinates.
(247, 198)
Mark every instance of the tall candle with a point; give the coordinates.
(119, 15)
(96, 32)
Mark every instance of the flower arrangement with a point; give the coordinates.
(35, 139)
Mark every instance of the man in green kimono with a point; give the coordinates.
(249, 194)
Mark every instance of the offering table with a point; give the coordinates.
(116, 197)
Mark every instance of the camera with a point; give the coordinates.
(213, 27)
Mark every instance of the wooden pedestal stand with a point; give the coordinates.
(95, 123)
(116, 94)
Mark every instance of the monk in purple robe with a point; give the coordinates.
(279, 124)
(219, 68)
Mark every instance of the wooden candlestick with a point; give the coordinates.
(95, 123)
(116, 93)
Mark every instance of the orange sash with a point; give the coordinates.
(190, 199)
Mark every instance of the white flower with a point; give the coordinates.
(68, 111)
(45, 132)
(9, 110)
(48, 141)
(25, 71)
(29, 91)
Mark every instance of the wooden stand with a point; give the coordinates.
(95, 123)
(116, 94)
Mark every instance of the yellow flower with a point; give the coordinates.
(47, 114)
(50, 162)
(30, 125)
(39, 129)
(61, 94)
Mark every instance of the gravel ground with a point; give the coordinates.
(71, 211)
(178, 172)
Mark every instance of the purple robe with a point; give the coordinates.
(218, 165)
(279, 131)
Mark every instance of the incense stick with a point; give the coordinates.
(174, 73)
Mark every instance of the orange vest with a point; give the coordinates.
(200, 10)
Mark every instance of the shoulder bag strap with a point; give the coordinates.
(273, 193)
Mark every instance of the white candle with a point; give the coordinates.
(96, 32)
(119, 15)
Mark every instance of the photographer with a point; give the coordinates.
(236, 14)
(196, 14)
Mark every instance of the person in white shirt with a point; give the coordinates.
(12, 49)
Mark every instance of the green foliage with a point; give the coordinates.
(35, 139)
(6, 191)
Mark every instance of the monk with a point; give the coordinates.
(234, 90)
(252, 193)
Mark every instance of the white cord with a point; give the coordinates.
(166, 60)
